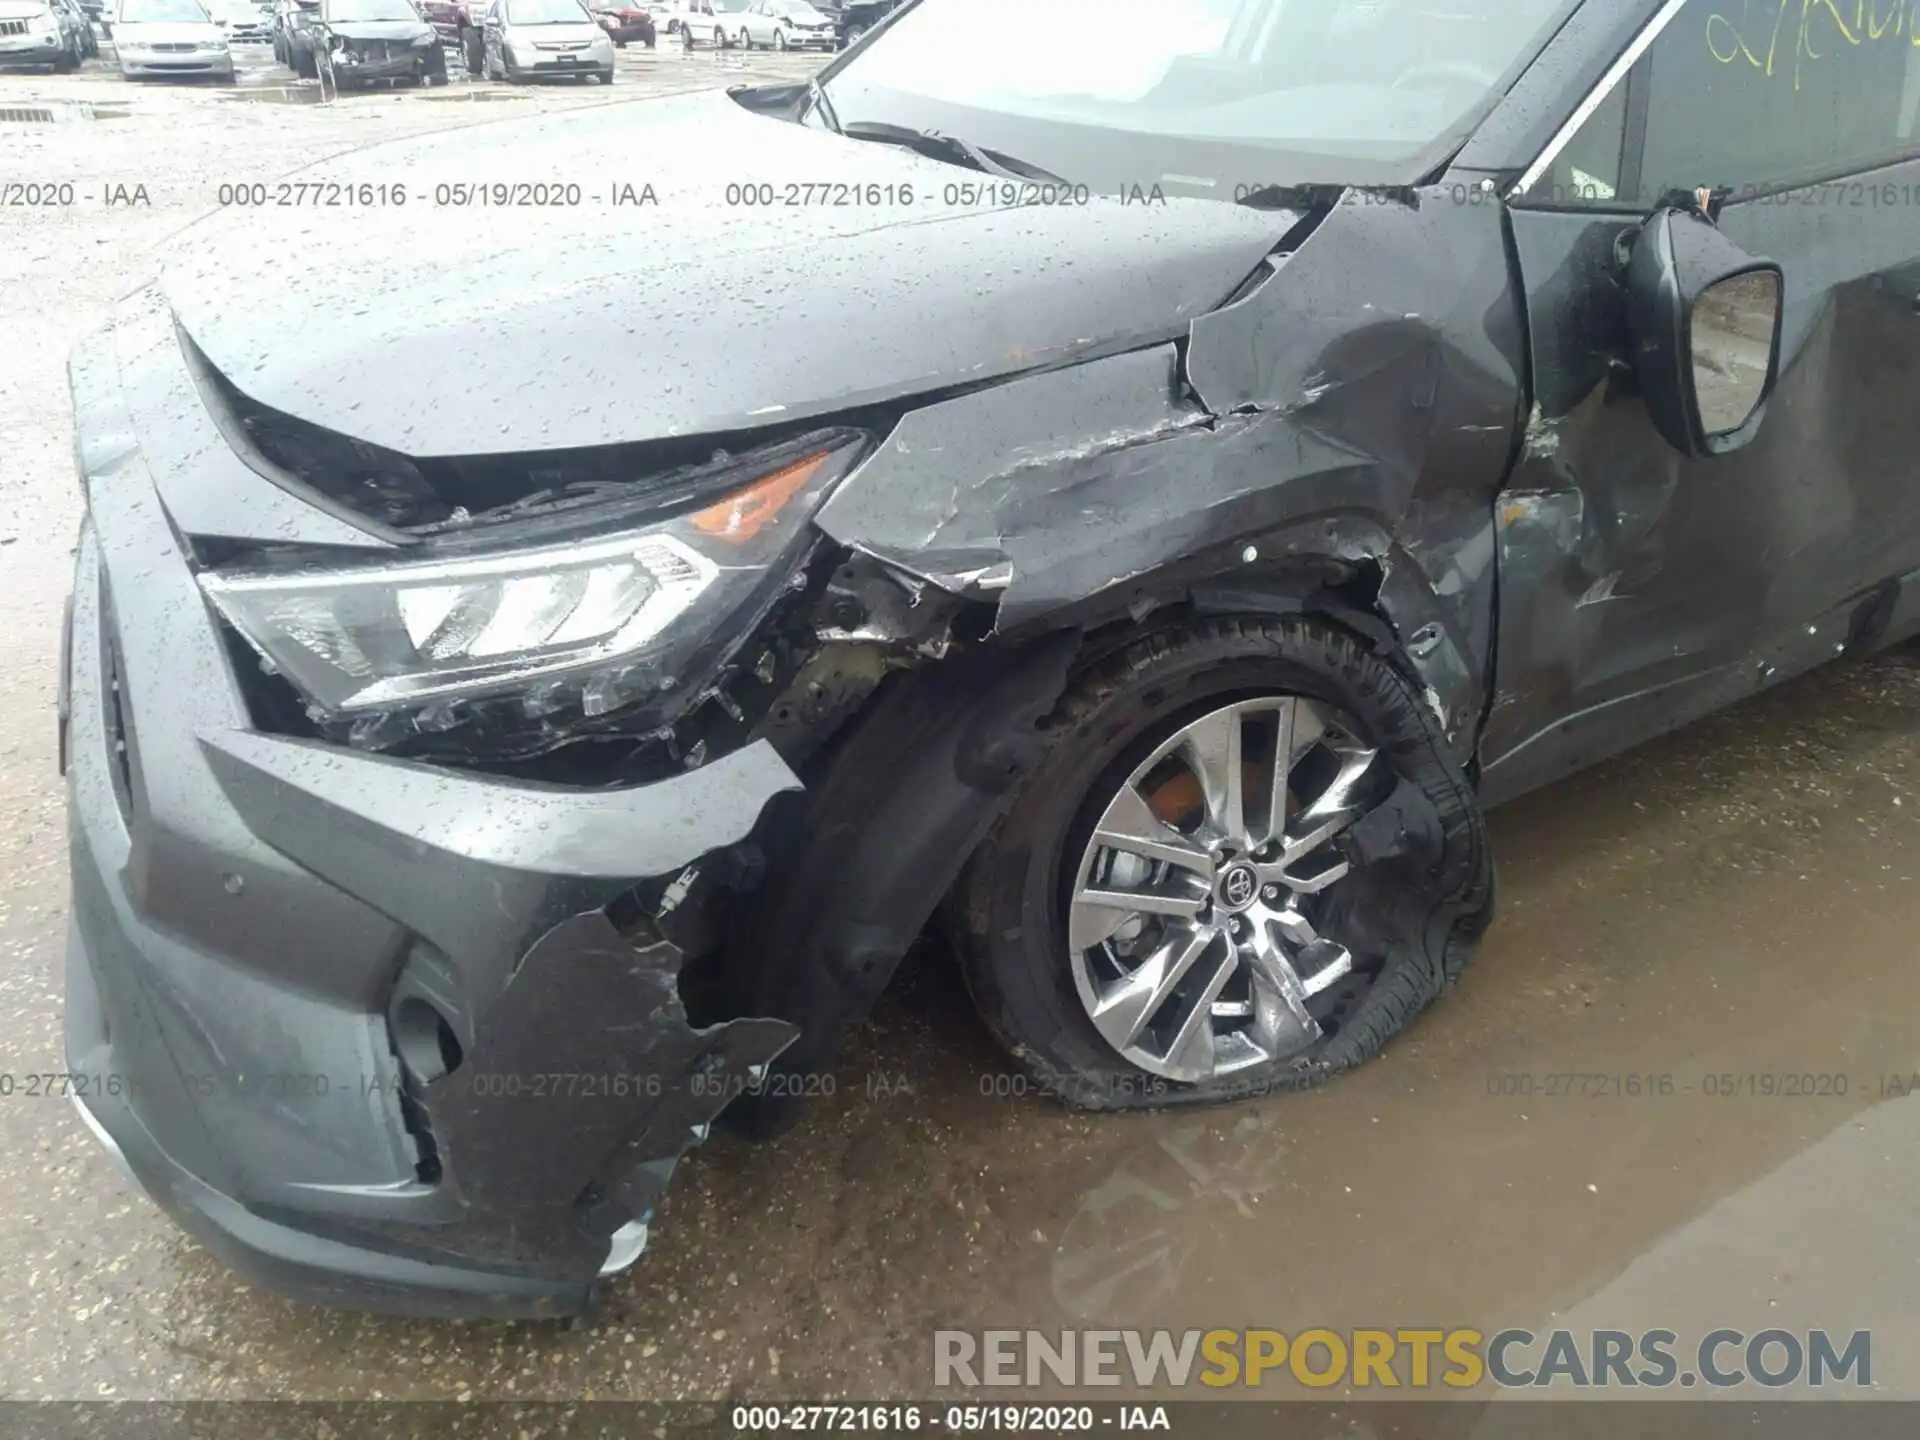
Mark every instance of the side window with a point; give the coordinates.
(1589, 171)
(1754, 95)
(1751, 96)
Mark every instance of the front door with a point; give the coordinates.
(1641, 589)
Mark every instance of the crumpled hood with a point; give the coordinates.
(656, 299)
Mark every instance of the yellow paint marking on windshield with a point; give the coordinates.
(1819, 31)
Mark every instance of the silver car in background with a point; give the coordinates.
(524, 38)
(169, 37)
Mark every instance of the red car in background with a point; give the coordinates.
(624, 22)
(456, 23)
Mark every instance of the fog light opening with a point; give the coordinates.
(425, 1041)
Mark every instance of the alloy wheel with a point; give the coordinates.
(1189, 923)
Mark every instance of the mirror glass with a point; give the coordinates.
(1733, 325)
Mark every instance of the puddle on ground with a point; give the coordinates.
(275, 94)
(474, 96)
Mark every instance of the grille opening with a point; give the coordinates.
(428, 1050)
(426, 1165)
(425, 1042)
(121, 760)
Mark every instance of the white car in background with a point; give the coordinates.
(169, 37)
(668, 18)
(712, 22)
(241, 21)
(784, 25)
(31, 34)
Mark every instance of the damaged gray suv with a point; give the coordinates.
(1176, 486)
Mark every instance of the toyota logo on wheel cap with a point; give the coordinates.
(1238, 887)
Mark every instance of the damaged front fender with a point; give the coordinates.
(1359, 401)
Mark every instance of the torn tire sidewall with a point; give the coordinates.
(1457, 877)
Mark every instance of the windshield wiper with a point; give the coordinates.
(939, 145)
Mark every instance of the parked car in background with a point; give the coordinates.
(78, 30)
(457, 24)
(32, 35)
(667, 17)
(624, 22)
(356, 42)
(527, 38)
(856, 17)
(241, 21)
(169, 37)
(290, 18)
(715, 22)
(786, 25)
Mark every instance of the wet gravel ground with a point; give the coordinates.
(1737, 901)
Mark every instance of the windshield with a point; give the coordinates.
(729, 7)
(156, 12)
(1200, 97)
(795, 10)
(546, 12)
(371, 10)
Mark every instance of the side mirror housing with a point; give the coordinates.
(1705, 318)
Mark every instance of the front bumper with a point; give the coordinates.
(396, 66)
(277, 947)
(35, 49)
(205, 62)
(563, 62)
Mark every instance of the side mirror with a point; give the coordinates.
(1705, 319)
(334, 42)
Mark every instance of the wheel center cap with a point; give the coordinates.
(1239, 887)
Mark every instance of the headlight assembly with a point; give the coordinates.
(581, 613)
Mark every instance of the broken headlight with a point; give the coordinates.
(574, 608)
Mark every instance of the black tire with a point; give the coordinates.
(780, 40)
(66, 62)
(1411, 914)
(475, 53)
(509, 71)
(606, 76)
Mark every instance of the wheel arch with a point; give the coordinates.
(909, 789)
